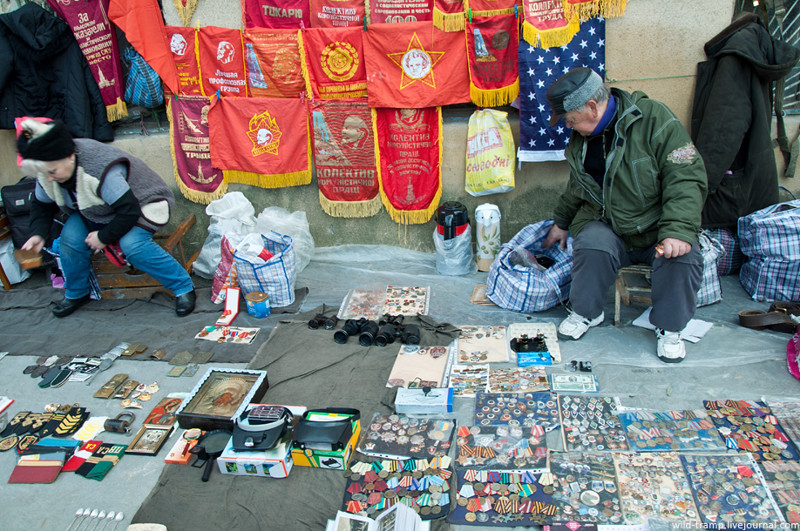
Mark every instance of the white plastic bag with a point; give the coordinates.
(11, 267)
(230, 214)
(294, 224)
(490, 153)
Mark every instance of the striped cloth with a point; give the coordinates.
(731, 260)
(276, 276)
(521, 288)
(771, 239)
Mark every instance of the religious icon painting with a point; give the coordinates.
(591, 423)
(654, 486)
(584, 487)
(783, 481)
(482, 344)
(502, 499)
(501, 448)
(664, 431)
(750, 426)
(729, 490)
(517, 409)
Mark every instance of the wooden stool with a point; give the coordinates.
(5, 232)
(124, 283)
(633, 285)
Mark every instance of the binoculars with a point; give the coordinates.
(329, 323)
(523, 343)
(381, 334)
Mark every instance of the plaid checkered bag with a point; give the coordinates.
(275, 276)
(528, 289)
(732, 258)
(142, 86)
(771, 239)
(710, 290)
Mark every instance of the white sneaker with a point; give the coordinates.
(574, 326)
(670, 346)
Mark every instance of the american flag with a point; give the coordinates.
(538, 69)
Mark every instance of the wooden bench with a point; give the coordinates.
(130, 283)
(633, 285)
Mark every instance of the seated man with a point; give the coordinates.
(109, 196)
(635, 192)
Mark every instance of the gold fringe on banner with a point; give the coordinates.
(185, 13)
(586, 10)
(449, 22)
(303, 65)
(350, 209)
(492, 12)
(409, 217)
(551, 38)
(194, 196)
(493, 97)
(116, 111)
(297, 178)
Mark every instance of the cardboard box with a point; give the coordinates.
(274, 463)
(416, 401)
(335, 460)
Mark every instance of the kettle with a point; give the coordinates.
(452, 219)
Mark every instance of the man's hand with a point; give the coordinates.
(556, 234)
(94, 242)
(34, 243)
(673, 248)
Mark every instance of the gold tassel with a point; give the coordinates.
(195, 196)
(493, 12)
(550, 38)
(303, 65)
(587, 10)
(449, 22)
(185, 13)
(494, 97)
(350, 209)
(116, 111)
(366, 12)
(280, 180)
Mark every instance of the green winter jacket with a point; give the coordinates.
(655, 181)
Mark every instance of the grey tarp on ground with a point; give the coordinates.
(730, 362)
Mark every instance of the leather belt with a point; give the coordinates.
(779, 317)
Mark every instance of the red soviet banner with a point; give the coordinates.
(92, 28)
(344, 157)
(545, 24)
(492, 44)
(221, 61)
(275, 14)
(394, 11)
(337, 13)
(183, 45)
(273, 63)
(415, 65)
(448, 15)
(334, 64)
(490, 7)
(260, 141)
(191, 153)
(409, 162)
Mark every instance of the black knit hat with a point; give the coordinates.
(54, 143)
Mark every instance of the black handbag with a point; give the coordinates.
(17, 200)
(332, 435)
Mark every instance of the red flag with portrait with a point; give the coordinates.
(183, 46)
(189, 145)
(337, 13)
(334, 65)
(492, 44)
(344, 157)
(545, 24)
(260, 141)
(448, 15)
(275, 14)
(92, 28)
(415, 65)
(273, 63)
(221, 61)
(409, 162)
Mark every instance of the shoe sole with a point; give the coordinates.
(671, 360)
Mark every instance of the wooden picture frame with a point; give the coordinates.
(149, 440)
